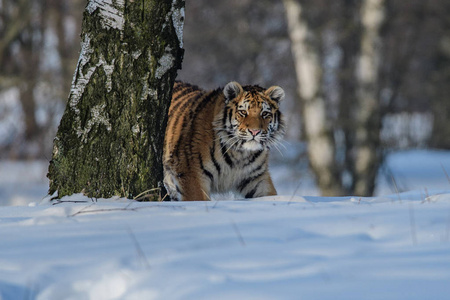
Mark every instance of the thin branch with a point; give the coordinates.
(59, 201)
(83, 211)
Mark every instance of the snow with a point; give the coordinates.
(292, 246)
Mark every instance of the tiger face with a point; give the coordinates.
(251, 120)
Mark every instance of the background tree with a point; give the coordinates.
(22, 28)
(358, 63)
(439, 86)
(38, 46)
(110, 138)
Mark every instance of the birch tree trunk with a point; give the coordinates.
(110, 138)
(306, 49)
(350, 164)
(367, 110)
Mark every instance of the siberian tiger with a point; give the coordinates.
(218, 141)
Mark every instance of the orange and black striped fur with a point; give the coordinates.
(218, 141)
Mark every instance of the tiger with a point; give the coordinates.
(218, 141)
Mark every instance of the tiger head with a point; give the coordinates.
(251, 119)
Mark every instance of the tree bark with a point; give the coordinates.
(110, 138)
(367, 110)
(306, 49)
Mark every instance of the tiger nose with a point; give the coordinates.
(254, 132)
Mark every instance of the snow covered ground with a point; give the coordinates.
(293, 246)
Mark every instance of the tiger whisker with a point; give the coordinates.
(273, 141)
(230, 137)
(275, 145)
(289, 144)
(233, 140)
(232, 146)
(280, 143)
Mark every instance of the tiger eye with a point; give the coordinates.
(242, 113)
(266, 115)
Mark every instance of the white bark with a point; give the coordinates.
(306, 53)
(178, 21)
(307, 61)
(81, 80)
(367, 115)
(111, 12)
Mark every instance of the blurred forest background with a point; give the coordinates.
(362, 77)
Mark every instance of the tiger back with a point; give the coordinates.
(219, 141)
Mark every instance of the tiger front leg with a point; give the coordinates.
(172, 185)
(185, 186)
(194, 188)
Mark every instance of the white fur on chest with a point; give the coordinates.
(243, 165)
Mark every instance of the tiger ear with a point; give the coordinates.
(232, 90)
(275, 93)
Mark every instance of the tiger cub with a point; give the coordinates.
(218, 141)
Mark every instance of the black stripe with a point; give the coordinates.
(182, 95)
(207, 98)
(225, 155)
(194, 104)
(248, 180)
(187, 120)
(181, 105)
(179, 85)
(224, 117)
(206, 172)
(230, 114)
(178, 190)
(179, 95)
(256, 169)
(212, 151)
(192, 118)
(182, 102)
(277, 117)
(251, 194)
(253, 158)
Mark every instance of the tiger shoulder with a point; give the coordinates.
(218, 141)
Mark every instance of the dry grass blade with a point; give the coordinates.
(148, 194)
(238, 233)
(139, 250)
(447, 229)
(446, 174)
(396, 188)
(412, 223)
(295, 191)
